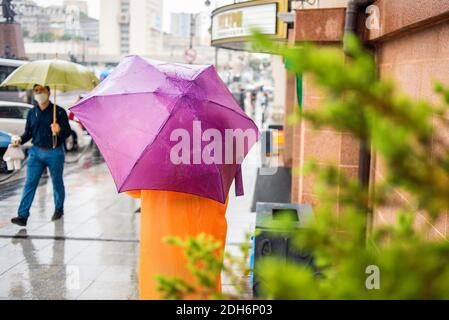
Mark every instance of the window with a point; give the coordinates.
(14, 112)
(24, 111)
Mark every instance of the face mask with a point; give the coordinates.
(41, 97)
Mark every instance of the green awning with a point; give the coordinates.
(299, 84)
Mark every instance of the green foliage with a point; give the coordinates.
(408, 135)
(25, 33)
(391, 261)
(68, 37)
(50, 37)
(205, 262)
(410, 267)
(44, 37)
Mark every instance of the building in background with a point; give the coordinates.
(80, 4)
(189, 39)
(64, 30)
(131, 27)
(232, 25)
(180, 24)
(33, 18)
(175, 49)
(56, 14)
(90, 29)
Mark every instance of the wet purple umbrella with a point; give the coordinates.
(163, 126)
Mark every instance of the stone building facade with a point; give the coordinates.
(411, 47)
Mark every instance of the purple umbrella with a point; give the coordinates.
(164, 126)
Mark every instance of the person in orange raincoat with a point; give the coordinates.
(183, 215)
(178, 131)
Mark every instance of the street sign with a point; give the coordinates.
(190, 55)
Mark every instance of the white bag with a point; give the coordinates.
(13, 157)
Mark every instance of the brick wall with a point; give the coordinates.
(412, 49)
(324, 146)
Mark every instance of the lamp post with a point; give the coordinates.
(193, 24)
(193, 19)
(207, 3)
(190, 53)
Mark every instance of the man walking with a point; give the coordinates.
(43, 154)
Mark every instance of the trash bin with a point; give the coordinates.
(270, 242)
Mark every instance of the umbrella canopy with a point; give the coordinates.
(59, 74)
(156, 124)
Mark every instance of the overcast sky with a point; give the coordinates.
(169, 6)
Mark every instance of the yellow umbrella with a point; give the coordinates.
(57, 74)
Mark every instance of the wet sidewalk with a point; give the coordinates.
(93, 252)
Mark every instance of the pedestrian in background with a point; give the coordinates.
(44, 153)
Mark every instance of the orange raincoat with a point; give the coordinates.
(173, 214)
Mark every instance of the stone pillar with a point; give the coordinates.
(11, 41)
(326, 145)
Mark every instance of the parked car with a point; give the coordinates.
(5, 141)
(13, 117)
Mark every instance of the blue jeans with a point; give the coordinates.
(38, 160)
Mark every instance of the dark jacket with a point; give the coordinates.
(38, 127)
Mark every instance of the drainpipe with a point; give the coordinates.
(354, 7)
